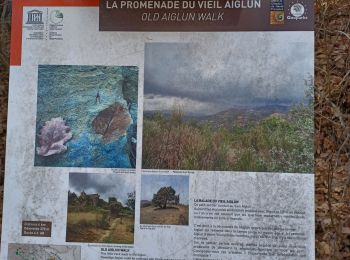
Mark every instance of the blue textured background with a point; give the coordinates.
(70, 92)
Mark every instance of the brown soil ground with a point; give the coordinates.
(174, 215)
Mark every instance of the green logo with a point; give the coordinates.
(56, 17)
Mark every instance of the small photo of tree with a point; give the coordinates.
(164, 199)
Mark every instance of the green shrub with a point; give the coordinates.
(276, 143)
(102, 221)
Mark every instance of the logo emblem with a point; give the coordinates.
(276, 12)
(297, 10)
(276, 17)
(56, 17)
(34, 17)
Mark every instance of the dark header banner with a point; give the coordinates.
(206, 15)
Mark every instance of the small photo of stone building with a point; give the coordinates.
(101, 208)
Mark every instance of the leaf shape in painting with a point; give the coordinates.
(112, 122)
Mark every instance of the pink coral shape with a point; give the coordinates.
(53, 135)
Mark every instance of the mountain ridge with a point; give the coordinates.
(238, 115)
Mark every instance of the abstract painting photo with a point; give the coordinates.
(86, 116)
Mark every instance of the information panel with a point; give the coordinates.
(160, 130)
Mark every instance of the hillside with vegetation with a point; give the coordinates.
(278, 142)
(95, 220)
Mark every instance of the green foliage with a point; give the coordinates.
(102, 221)
(164, 194)
(131, 201)
(277, 143)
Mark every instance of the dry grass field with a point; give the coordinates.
(273, 144)
(173, 215)
(332, 107)
(93, 228)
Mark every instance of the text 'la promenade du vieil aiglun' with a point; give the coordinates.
(183, 6)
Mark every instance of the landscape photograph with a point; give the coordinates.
(86, 116)
(164, 200)
(235, 102)
(101, 208)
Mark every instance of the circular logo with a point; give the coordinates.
(297, 10)
(280, 17)
(56, 16)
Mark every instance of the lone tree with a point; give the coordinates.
(163, 196)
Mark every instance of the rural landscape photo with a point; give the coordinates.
(164, 199)
(101, 208)
(86, 116)
(235, 102)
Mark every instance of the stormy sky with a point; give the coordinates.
(225, 70)
(152, 183)
(107, 185)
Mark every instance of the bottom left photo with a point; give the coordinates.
(101, 208)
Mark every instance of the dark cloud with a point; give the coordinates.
(107, 185)
(86, 181)
(230, 69)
